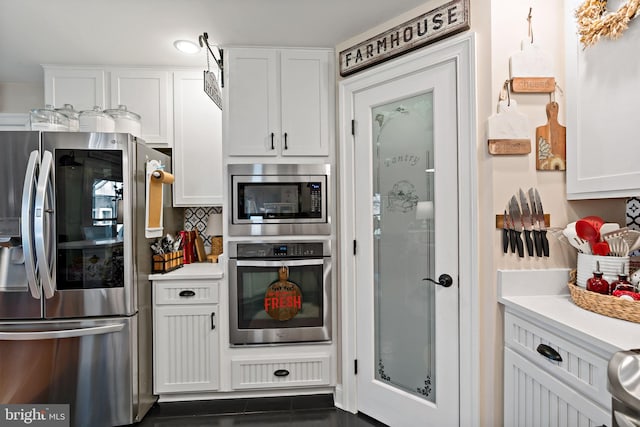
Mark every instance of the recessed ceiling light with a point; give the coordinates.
(186, 46)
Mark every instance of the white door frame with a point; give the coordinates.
(460, 49)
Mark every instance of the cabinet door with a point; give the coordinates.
(251, 119)
(147, 93)
(534, 398)
(83, 88)
(185, 349)
(306, 85)
(197, 154)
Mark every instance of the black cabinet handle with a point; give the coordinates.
(213, 320)
(187, 293)
(281, 373)
(272, 146)
(286, 147)
(549, 353)
(444, 280)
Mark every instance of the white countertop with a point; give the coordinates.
(197, 270)
(544, 294)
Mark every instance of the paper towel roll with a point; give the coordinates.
(156, 179)
(424, 210)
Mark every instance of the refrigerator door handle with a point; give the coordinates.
(43, 235)
(61, 333)
(26, 226)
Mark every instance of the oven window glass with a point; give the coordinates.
(280, 200)
(258, 300)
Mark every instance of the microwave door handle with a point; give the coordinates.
(280, 263)
(43, 235)
(26, 225)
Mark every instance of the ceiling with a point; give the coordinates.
(142, 32)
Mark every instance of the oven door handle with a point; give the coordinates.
(280, 263)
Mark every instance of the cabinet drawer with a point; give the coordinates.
(535, 398)
(186, 292)
(305, 371)
(580, 369)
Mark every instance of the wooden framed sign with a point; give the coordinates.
(437, 24)
(212, 89)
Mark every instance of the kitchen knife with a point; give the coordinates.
(505, 233)
(537, 237)
(512, 232)
(516, 217)
(541, 224)
(527, 221)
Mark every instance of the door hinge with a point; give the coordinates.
(353, 127)
(355, 366)
(355, 246)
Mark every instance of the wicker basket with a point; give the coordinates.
(604, 304)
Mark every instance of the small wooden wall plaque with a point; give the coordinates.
(509, 146)
(533, 84)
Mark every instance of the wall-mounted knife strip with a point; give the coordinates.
(500, 220)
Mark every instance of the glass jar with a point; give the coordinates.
(598, 284)
(48, 119)
(72, 115)
(622, 284)
(96, 120)
(125, 121)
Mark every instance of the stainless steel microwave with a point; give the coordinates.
(280, 199)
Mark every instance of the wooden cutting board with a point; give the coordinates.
(202, 255)
(551, 142)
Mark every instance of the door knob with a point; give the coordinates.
(444, 280)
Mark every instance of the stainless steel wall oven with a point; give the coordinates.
(279, 292)
(280, 199)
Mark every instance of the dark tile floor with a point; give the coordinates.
(315, 410)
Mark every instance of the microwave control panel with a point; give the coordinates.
(316, 197)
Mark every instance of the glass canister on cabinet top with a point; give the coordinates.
(48, 119)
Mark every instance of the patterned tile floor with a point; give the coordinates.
(307, 411)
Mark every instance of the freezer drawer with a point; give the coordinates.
(87, 364)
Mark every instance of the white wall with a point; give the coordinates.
(500, 25)
(20, 97)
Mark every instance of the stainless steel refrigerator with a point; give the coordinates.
(75, 299)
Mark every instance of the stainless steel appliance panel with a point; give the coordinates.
(253, 267)
(623, 375)
(20, 163)
(87, 364)
(92, 274)
(307, 213)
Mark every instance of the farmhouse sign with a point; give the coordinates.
(441, 22)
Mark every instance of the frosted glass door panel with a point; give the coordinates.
(403, 188)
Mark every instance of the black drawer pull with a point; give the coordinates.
(281, 373)
(187, 293)
(549, 353)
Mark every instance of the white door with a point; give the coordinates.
(406, 228)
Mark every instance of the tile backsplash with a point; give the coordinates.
(196, 219)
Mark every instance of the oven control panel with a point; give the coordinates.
(281, 250)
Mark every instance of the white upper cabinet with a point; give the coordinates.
(83, 88)
(147, 93)
(602, 92)
(197, 146)
(278, 102)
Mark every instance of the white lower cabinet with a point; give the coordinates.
(301, 371)
(185, 336)
(551, 379)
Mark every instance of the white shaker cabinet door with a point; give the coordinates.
(251, 103)
(185, 349)
(535, 398)
(146, 92)
(306, 84)
(197, 152)
(81, 87)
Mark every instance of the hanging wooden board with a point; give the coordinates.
(508, 130)
(551, 142)
(531, 70)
